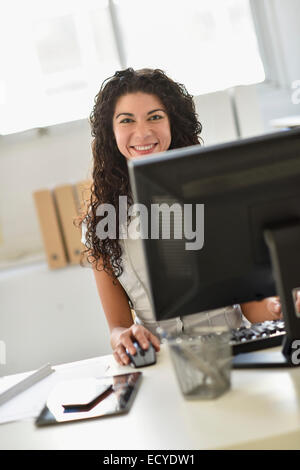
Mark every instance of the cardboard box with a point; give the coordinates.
(83, 195)
(68, 211)
(50, 229)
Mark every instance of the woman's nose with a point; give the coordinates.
(142, 130)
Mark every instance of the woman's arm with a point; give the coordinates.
(266, 309)
(123, 331)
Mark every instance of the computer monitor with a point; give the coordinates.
(242, 202)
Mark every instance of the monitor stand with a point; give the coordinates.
(284, 247)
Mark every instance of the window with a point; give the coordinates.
(54, 55)
(207, 46)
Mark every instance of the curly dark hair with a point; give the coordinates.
(110, 173)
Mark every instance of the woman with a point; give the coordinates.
(139, 113)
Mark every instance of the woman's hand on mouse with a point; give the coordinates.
(123, 338)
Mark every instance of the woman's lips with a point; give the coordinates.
(143, 149)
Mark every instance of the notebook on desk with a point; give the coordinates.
(75, 400)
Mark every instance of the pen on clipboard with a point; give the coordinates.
(26, 383)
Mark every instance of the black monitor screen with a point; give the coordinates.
(208, 210)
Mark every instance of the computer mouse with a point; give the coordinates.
(142, 357)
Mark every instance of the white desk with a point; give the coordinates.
(288, 122)
(261, 411)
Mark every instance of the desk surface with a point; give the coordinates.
(287, 122)
(261, 411)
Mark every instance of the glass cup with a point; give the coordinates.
(202, 361)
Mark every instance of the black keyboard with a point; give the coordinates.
(263, 335)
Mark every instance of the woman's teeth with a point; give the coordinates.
(144, 147)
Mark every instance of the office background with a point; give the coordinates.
(237, 57)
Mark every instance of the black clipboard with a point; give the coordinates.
(117, 395)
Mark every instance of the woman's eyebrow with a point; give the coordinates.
(125, 114)
(154, 110)
(149, 112)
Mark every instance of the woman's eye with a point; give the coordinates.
(125, 121)
(156, 117)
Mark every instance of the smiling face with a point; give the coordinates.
(141, 125)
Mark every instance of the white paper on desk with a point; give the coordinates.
(29, 403)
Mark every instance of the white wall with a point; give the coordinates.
(277, 25)
(275, 103)
(50, 316)
(288, 17)
(31, 161)
(215, 112)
